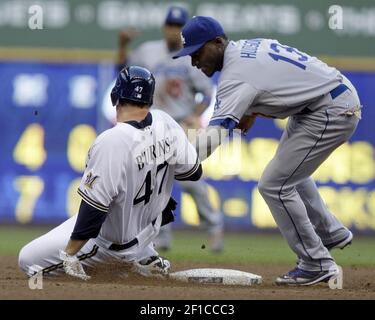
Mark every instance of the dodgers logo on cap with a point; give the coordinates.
(196, 32)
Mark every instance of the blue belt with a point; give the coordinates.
(338, 90)
(120, 247)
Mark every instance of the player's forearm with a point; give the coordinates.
(200, 108)
(246, 123)
(208, 140)
(74, 246)
(88, 225)
(122, 55)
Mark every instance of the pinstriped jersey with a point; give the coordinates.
(176, 81)
(264, 77)
(130, 170)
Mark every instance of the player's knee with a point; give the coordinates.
(25, 259)
(267, 187)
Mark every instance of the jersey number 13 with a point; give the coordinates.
(289, 54)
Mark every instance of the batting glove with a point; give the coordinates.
(72, 266)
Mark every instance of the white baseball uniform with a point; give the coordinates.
(175, 89)
(129, 175)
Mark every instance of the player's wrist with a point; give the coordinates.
(64, 255)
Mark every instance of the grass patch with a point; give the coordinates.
(240, 248)
(245, 248)
(13, 238)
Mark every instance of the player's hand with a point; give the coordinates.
(246, 123)
(167, 213)
(72, 266)
(126, 36)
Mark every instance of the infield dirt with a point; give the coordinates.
(359, 283)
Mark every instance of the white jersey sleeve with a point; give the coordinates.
(233, 99)
(104, 172)
(186, 160)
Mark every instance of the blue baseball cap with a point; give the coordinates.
(177, 15)
(196, 32)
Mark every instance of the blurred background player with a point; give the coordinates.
(177, 86)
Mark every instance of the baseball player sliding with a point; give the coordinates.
(125, 189)
(261, 77)
(177, 85)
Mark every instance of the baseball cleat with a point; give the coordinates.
(301, 277)
(154, 266)
(341, 244)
